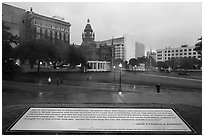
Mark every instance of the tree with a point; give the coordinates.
(198, 46)
(153, 61)
(35, 51)
(74, 56)
(9, 68)
(56, 53)
(162, 65)
(173, 63)
(133, 62)
(8, 39)
(188, 63)
(117, 61)
(144, 60)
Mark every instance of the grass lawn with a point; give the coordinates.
(11, 110)
(127, 78)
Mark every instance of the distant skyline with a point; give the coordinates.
(157, 25)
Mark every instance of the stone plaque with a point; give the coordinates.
(100, 119)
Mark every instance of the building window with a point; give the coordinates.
(185, 49)
(194, 53)
(58, 28)
(58, 35)
(176, 50)
(38, 29)
(181, 50)
(189, 53)
(48, 32)
(181, 54)
(43, 25)
(43, 31)
(184, 53)
(36, 22)
(172, 50)
(172, 55)
(66, 30)
(189, 49)
(169, 51)
(66, 37)
(168, 54)
(62, 35)
(165, 51)
(53, 34)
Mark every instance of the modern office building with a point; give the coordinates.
(183, 51)
(125, 47)
(139, 50)
(118, 45)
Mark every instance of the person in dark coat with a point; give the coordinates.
(158, 87)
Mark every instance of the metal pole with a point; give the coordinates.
(114, 74)
(120, 82)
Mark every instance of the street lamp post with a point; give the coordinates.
(135, 69)
(114, 73)
(120, 89)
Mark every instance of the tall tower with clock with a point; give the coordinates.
(88, 35)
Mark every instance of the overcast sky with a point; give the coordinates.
(157, 25)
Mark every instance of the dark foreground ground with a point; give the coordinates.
(183, 93)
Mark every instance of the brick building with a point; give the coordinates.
(52, 28)
(28, 25)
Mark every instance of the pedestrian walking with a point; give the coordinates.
(49, 81)
(158, 87)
